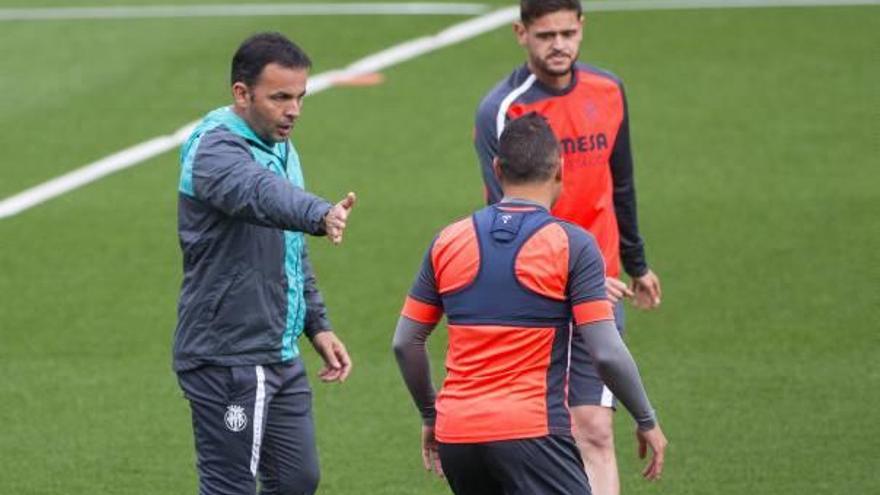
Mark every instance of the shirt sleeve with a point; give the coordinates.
(586, 281)
(632, 248)
(421, 312)
(618, 370)
(486, 146)
(226, 177)
(423, 303)
(409, 347)
(316, 311)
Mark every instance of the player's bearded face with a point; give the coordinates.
(273, 104)
(552, 41)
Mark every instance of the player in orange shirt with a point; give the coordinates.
(510, 279)
(586, 108)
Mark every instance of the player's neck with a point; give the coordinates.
(558, 83)
(536, 194)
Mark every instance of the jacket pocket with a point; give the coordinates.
(222, 294)
(251, 317)
(242, 385)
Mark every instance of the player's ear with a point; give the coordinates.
(519, 29)
(559, 172)
(496, 168)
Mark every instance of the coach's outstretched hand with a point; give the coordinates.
(337, 363)
(656, 440)
(334, 221)
(430, 454)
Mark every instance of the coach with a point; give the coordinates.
(248, 289)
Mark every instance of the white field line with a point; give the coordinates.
(400, 8)
(158, 145)
(386, 58)
(236, 10)
(629, 5)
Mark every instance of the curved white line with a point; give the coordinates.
(139, 153)
(631, 5)
(405, 51)
(237, 10)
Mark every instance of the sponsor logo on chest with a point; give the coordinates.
(588, 143)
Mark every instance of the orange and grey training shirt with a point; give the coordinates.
(510, 279)
(589, 118)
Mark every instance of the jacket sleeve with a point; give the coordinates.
(316, 311)
(226, 177)
(632, 248)
(486, 145)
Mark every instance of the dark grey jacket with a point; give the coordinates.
(248, 289)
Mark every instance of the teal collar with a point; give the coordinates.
(236, 124)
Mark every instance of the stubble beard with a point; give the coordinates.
(545, 68)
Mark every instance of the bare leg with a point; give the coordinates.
(594, 434)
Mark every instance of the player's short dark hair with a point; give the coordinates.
(528, 151)
(263, 49)
(529, 10)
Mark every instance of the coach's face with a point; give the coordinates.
(552, 42)
(273, 103)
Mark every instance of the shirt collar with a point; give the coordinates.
(520, 202)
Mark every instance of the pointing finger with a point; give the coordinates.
(348, 201)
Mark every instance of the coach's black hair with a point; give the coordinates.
(528, 151)
(529, 10)
(263, 49)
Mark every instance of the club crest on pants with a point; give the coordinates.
(235, 418)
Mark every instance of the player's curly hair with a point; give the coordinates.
(529, 10)
(263, 49)
(527, 150)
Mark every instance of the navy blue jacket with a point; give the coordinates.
(248, 289)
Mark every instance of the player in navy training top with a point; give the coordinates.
(587, 110)
(510, 279)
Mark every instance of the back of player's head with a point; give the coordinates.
(528, 151)
(529, 10)
(263, 49)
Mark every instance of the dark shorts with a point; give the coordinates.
(585, 387)
(548, 465)
(250, 420)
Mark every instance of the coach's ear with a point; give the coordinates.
(496, 168)
(240, 94)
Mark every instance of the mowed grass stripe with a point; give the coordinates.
(155, 81)
(138, 153)
(143, 151)
(240, 10)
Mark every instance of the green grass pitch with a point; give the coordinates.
(756, 140)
